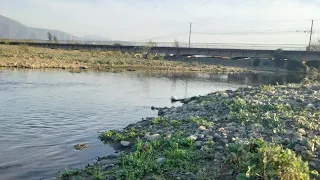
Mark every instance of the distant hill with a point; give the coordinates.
(11, 29)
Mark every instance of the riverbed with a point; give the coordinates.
(45, 112)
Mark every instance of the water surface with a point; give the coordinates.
(43, 113)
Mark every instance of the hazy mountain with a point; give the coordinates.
(11, 29)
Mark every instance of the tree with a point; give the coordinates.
(55, 39)
(176, 43)
(49, 36)
(314, 46)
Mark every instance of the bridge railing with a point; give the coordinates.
(295, 47)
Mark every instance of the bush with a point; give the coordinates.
(295, 66)
(117, 44)
(259, 160)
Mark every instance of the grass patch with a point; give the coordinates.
(259, 160)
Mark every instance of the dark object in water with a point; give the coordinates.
(81, 146)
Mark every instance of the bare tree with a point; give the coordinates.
(49, 36)
(55, 39)
(314, 46)
(176, 43)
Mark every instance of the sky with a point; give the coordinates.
(213, 21)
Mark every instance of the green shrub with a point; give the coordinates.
(259, 160)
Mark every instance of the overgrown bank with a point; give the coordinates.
(267, 132)
(24, 56)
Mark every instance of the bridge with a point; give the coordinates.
(298, 55)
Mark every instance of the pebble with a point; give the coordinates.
(312, 164)
(125, 143)
(198, 143)
(219, 148)
(217, 136)
(202, 128)
(201, 136)
(153, 137)
(192, 137)
(160, 160)
(286, 141)
(302, 131)
(299, 148)
(224, 95)
(218, 155)
(225, 141)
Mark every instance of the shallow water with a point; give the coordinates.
(43, 113)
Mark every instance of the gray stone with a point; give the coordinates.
(209, 137)
(201, 136)
(302, 131)
(198, 143)
(296, 137)
(202, 128)
(286, 141)
(288, 132)
(160, 160)
(224, 95)
(236, 135)
(218, 155)
(192, 137)
(299, 148)
(125, 143)
(257, 127)
(312, 164)
(217, 136)
(153, 137)
(219, 148)
(304, 141)
(225, 141)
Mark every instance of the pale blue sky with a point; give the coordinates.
(166, 20)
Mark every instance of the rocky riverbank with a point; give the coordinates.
(266, 132)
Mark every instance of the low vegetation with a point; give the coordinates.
(23, 56)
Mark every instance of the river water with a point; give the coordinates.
(43, 113)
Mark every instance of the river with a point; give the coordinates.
(43, 113)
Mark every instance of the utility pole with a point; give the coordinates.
(190, 34)
(310, 35)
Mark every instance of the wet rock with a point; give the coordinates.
(125, 143)
(81, 146)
